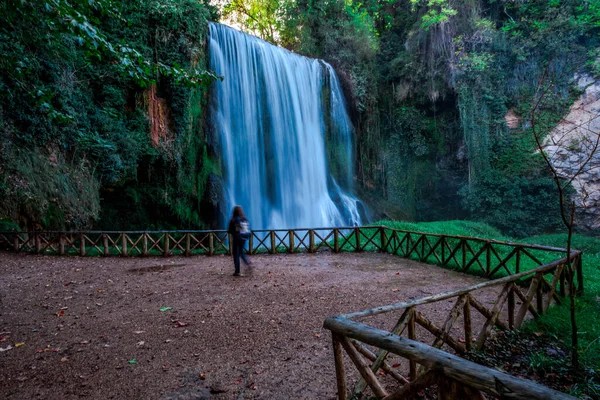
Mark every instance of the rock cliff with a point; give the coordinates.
(574, 150)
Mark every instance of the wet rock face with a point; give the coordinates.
(574, 150)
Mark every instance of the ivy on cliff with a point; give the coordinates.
(73, 75)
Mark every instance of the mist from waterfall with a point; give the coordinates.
(283, 132)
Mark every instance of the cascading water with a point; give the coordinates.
(271, 116)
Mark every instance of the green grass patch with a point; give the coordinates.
(454, 228)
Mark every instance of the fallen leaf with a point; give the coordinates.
(48, 349)
(64, 359)
(217, 389)
(133, 361)
(60, 313)
(7, 348)
(19, 344)
(163, 309)
(202, 376)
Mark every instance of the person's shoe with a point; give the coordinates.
(237, 274)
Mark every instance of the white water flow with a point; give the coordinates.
(272, 114)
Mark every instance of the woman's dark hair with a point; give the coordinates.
(238, 212)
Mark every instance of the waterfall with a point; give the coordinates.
(281, 124)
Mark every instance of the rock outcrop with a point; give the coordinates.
(574, 150)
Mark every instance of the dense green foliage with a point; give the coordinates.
(429, 84)
(74, 121)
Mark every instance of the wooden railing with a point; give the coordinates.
(117, 243)
(455, 378)
(409, 366)
(489, 258)
(529, 279)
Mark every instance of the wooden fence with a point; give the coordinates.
(407, 367)
(488, 258)
(528, 278)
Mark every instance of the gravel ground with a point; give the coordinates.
(184, 328)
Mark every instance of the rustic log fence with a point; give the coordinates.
(408, 366)
(488, 258)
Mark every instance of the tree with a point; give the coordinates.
(261, 17)
(571, 153)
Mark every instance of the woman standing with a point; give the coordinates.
(239, 229)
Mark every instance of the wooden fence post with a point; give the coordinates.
(81, 244)
(61, 244)
(511, 308)
(467, 323)
(167, 248)
(188, 247)
(311, 241)
(144, 244)
(412, 336)
(105, 244)
(463, 245)
(382, 239)
(211, 244)
(230, 236)
(336, 240)
(37, 241)
(357, 238)
(16, 244)
(340, 372)
(443, 244)
(123, 244)
(273, 246)
(488, 258)
(291, 235)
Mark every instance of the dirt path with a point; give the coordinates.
(93, 327)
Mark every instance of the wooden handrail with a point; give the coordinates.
(486, 256)
(466, 372)
(443, 296)
(464, 253)
(221, 231)
(467, 375)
